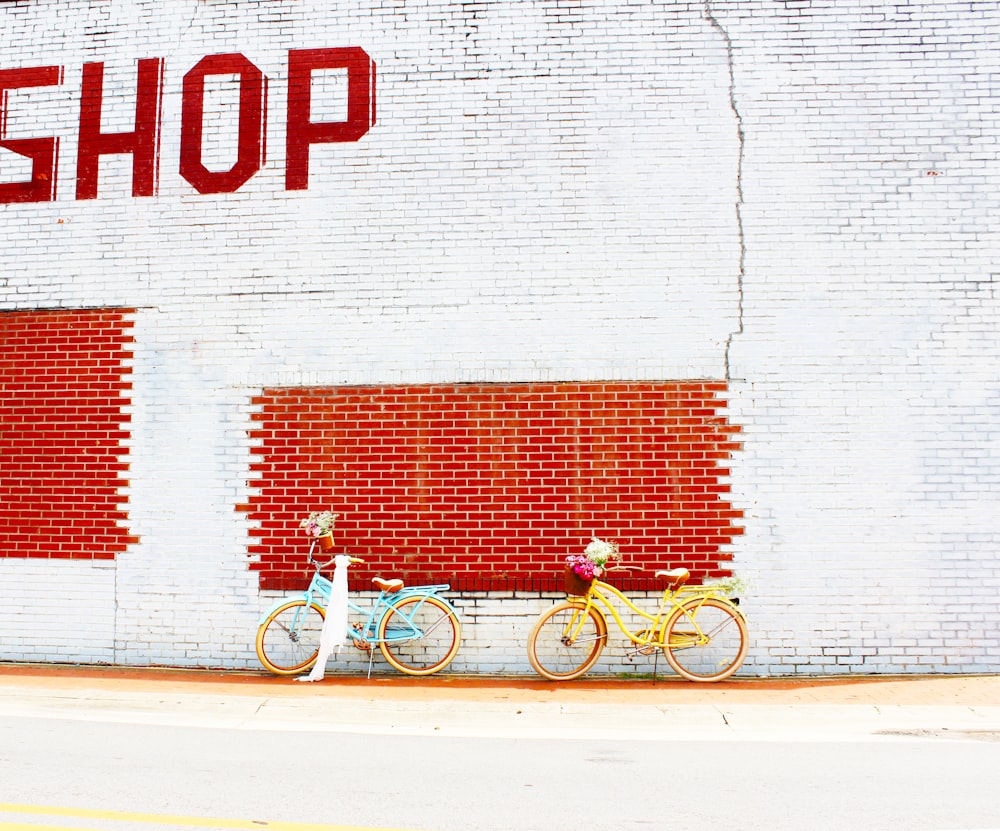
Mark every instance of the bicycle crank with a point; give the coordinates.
(642, 648)
(359, 640)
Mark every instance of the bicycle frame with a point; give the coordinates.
(653, 636)
(364, 633)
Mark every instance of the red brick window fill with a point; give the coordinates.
(63, 384)
(489, 487)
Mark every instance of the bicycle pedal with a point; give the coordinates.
(644, 648)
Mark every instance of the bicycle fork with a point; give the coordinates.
(571, 631)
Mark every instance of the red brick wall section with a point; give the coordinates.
(63, 383)
(489, 487)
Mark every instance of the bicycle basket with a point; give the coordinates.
(575, 584)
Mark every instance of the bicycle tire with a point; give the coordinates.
(550, 655)
(288, 640)
(419, 654)
(714, 659)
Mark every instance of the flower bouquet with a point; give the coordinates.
(736, 584)
(582, 569)
(319, 525)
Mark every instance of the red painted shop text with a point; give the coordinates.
(143, 141)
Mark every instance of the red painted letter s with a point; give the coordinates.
(43, 152)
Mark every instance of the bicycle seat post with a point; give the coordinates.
(666, 599)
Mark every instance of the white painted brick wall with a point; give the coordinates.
(869, 472)
(56, 614)
(801, 197)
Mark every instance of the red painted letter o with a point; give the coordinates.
(253, 104)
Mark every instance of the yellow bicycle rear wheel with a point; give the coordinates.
(705, 639)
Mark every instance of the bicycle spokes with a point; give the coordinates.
(419, 635)
(706, 640)
(288, 640)
(566, 641)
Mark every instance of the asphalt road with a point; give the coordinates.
(129, 751)
(138, 776)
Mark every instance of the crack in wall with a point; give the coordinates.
(740, 137)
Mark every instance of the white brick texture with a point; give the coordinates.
(799, 198)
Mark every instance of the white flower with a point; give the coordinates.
(600, 552)
(319, 523)
(735, 585)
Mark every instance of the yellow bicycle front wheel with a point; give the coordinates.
(705, 639)
(566, 641)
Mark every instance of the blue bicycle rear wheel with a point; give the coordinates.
(419, 635)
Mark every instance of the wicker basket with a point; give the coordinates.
(575, 584)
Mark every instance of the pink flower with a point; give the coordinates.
(582, 566)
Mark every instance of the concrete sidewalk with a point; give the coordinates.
(874, 708)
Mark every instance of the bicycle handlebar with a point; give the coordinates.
(320, 566)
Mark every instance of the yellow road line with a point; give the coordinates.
(28, 826)
(163, 819)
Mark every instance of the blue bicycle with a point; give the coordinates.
(417, 630)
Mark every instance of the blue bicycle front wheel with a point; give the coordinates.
(288, 641)
(419, 635)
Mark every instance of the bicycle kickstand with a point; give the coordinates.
(371, 660)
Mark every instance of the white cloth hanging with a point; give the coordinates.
(334, 632)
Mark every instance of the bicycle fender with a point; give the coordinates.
(278, 604)
(735, 607)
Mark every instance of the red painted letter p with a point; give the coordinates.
(302, 131)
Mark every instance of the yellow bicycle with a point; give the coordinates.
(702, 632)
